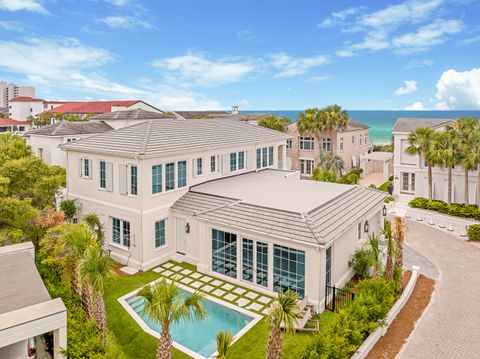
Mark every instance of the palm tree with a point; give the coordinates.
(332, 162)
(311, 122)
(466, 130)
(165, 304)
(387, 232)
(283, 311)
(445, 153)
(95, 271)
(399, 236)
(420, 141)
(335, 118)
(224, 341)
(471, 159)
(275, 123)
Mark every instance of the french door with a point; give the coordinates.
(255, 262)
(408, 182)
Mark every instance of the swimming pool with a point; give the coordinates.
(197, 336)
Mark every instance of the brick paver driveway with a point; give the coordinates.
(450, 327)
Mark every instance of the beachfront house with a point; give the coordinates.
(303, 151)
(410, 172)
(214, 193)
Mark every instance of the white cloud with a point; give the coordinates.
(201, 71)
(27, 5)
(125, 22)
(294, 66)
(459, 90)
(337, 17)
(11, 25)
(470, 40)
(426, 36)
(419, 63)
(119, 2)
(410, 86)
(416, 106)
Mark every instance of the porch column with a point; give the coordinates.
(284, 157)
(59, 342)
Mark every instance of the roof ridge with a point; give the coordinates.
(144, 145)
(219, 207)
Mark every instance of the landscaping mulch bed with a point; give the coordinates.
(390, 344)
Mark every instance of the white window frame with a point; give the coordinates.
(214, 164)
(165, 221)
(307, 140)
(82, 168)
(305, 165)
(326, 144)
(341, 144)
(121, 243)
(195, 167)
(289, 143)
(263, 158)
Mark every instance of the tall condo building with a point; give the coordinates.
(9, 91)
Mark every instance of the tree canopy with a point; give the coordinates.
(275, 123)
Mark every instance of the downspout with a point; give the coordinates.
(140, 197)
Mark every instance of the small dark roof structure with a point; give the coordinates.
(67, 128)
(21, 285)
(136, 114)
(198, 115)
(409, 124)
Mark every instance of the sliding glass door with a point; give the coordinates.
(255, 262)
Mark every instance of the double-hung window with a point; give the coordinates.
(199, 165)
(169, 176)
(156, 179)
(134, 180)
(289, 143)
(359, 230)
(360, 140)
(121, 232)
(213, 164)
(341, 143)
(182, 173)
(326, 144)
(270, 156)
(103, 175)
(259, 158)
(160, 233)
(233, 162)
(85, 168)
(264, 157)
(307, 143)
(241, 160)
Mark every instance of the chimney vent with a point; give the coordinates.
(235, 110)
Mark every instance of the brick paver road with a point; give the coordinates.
(450, 327)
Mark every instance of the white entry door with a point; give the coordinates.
(180, 235)
(408, 182)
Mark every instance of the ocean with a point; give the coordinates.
(381, 122)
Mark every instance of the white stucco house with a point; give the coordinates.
(410, 172)
(214, 193)
(26, 309)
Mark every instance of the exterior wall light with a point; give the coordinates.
(366, 227)
(187, 228)
(384, 211)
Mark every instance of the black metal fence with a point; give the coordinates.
(335, 298)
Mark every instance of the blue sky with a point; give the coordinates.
(210, 54)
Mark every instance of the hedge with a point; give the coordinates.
(473, 232)
(454, 209)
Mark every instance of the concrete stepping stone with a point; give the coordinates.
(186, 280)
(196, 275)
(242, 302)
(196, 284)
(251, 295)
(239, 290)
(207, 288)
(227, 286)
(167, 273)
(218, 292)
(216, 282)
(158, 269)
(186, 271)
(230, 297)
(167, 265)
(255, 306)
(176, 268)
(206, 278)
(264, 300)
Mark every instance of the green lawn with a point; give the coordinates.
(130, 341)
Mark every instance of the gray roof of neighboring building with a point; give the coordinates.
(136, 114)
(170, 136)
(410, 124)
(355, 125)
(21, 285)
(197, 115)
(277, 204)
(67, 128)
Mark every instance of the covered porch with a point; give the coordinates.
(377, 168)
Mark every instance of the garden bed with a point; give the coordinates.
(401, 328)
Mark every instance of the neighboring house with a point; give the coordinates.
(26, 309)
(303, 151)
(83, 109)
(10, 125)
(212, 193)
(9, 91)
(45, 140)
(21, 108)
(119, 119)
(251, 118)
(410, 172)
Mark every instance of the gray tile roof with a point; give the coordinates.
(66, 128)
(409, 124)
(355, 125)
(173, 136)
(20, 283)
(197, 115)
(136, 114)
(319, 225)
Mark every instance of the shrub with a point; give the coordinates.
(351, 178)
(69, 208)
(454, 209)
(437, 206)
(473, 232)
(418, 202)
(389, 199)
(360, 262)
(323, 175)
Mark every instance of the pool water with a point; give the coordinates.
(198, 335)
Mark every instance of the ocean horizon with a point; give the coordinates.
(380, 121)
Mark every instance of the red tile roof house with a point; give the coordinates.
(303, 151)
(11, 125)
(99, 107)
(21, 108)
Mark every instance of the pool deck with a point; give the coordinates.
(218, 288)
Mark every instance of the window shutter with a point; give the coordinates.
(225, 164)
(80, 167)
(109, 176)
(122, 178)
(194, 167)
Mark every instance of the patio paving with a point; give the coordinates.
(215, 287)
